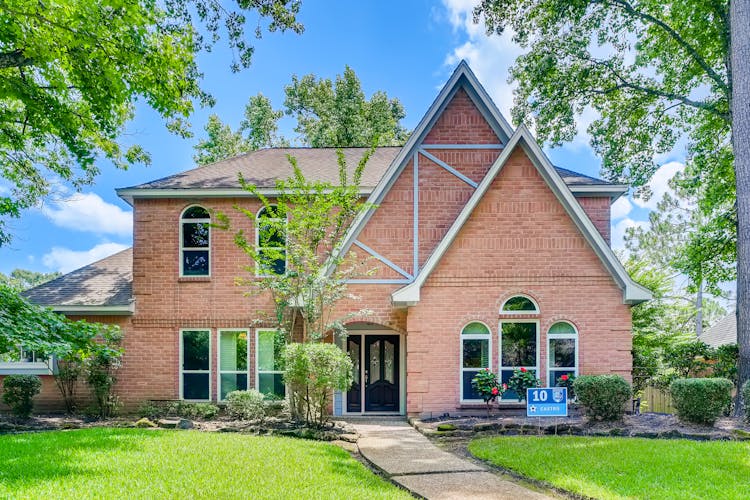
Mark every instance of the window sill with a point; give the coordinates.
(25, 369)
(193, 279)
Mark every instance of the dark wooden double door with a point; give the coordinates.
(376, 373)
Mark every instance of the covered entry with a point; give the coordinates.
(378, 372)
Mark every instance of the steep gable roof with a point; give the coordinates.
(633, 293)
(102, 287)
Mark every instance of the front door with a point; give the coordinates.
(381, 362)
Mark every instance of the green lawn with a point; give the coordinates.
(132, 464)
(626, 467)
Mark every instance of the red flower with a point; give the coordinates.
(505, 386)
(494, 391)
(523, 370)
(564, 378)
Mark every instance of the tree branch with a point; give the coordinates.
(691, 51)
(14, 59)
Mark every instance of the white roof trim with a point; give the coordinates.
(128, 194)
(121, 310)
(481, 99)
(633, 293)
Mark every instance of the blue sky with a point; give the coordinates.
(407, 49)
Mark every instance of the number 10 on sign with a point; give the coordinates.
(547, 402)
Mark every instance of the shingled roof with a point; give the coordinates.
(264, 166)
(105, 284)
(722, 332)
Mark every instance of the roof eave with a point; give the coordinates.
(94, 310)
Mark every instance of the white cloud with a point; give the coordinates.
(490, 57)
(621, 208)
(66, 260)
(659, 184)
(618, 231)
(88, 212)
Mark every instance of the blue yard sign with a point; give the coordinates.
(547, 402)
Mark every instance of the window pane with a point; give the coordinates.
(556, 374)
(272, 235)
(269, 351)
(271, 383)
(505, 376)
(195, 234)
(476, 328)
(469, 392)
(389, 362)
(518, 344)
(195, 350)
(232, 382)
(195, 263)
(476, 353)
(562, 352)
(519, 304)
(562, 328)
(233, 351)
(195, 213)
(195, 386)
(272, 261)
(374, 361)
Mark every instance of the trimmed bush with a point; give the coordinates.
(746, 399)
(701, 400)
(184, 409)
(19, 391)
(602, 396)
(246, 405)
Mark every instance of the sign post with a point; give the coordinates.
(547, 402)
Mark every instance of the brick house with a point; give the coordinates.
(487, 256)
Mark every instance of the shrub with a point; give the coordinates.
(727, 356)
(246, 405)
(746, 399)
(701, 400)
(101, 368)
(313, 372)
(602, 396)
(19, 391)
(151, 410)
(184, 409)
(485, 383)
(567, 381)
(521, 380)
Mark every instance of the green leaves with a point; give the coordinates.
(72, 71)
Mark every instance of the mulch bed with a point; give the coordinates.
(646, 425)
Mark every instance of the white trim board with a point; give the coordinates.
(633, 293)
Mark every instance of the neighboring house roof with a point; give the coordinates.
(722, 332)
(633, 293)
(103, 287)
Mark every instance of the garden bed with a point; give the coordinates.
(647, 425)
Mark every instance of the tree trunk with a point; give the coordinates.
(740, 109)
(699, 310)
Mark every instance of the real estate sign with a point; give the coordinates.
(547, 402)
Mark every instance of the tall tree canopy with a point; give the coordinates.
(657, 73)
(23, 279)
(71, 72)
(328, 114)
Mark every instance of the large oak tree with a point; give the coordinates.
(658, 74)
(71, 72)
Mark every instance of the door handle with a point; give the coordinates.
(367, 377)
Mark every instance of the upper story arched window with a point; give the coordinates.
(270, 241)
(195, 242)
(519, 304)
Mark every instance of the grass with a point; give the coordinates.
(626, 467)
(134, 464)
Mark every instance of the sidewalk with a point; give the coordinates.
(409, 459)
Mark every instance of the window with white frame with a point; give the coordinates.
(476, 346)
(270, 370)
(519, 340)
(195, 365)
(562, 342)
(23, 361)
(270, 241)
(519, 304)
(195, 242)
(233, 366)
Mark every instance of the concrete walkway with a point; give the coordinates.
(412, 461)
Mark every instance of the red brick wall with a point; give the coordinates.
(518, 240)
(461, 123)
(598, 210)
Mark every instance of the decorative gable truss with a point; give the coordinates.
(462, 79)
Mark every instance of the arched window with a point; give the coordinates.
(519, 340)
(195, 242)
(562, 342)
(519, 304)
(476, 349)
(270, 234)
